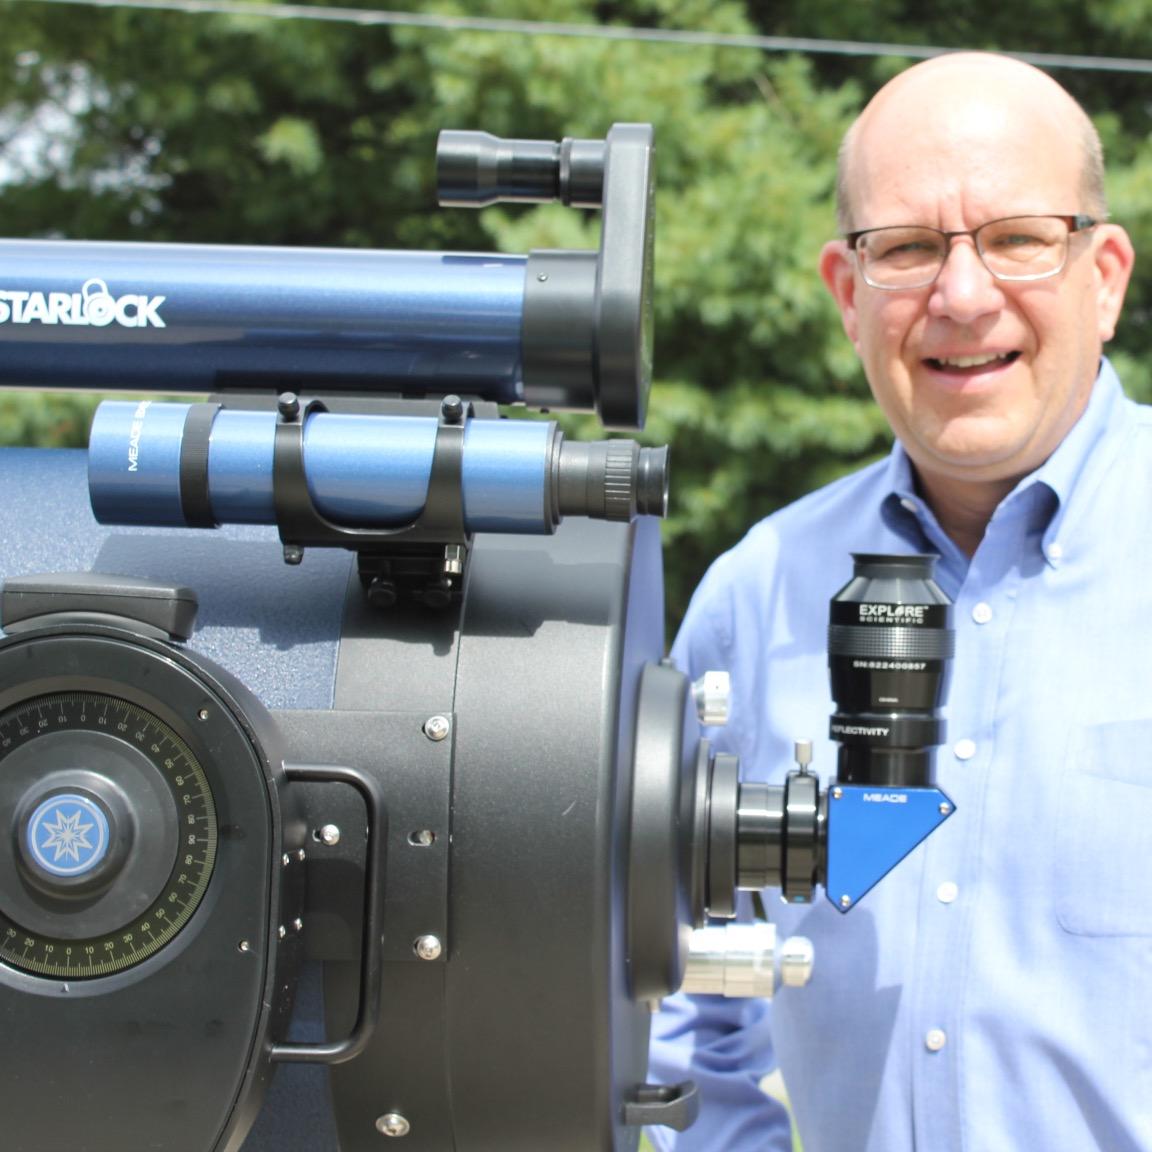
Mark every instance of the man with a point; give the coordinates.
(994, 992)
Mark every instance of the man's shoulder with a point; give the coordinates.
(823, 517)
(810, 534)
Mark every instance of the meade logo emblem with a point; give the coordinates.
(93, 306)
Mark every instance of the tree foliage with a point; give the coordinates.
(151, 125)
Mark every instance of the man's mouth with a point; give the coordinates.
(972, 364)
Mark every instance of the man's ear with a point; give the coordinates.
(1114, 257)
(838, 271)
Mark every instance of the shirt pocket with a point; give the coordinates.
(1104, 836)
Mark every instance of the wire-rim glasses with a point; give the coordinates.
(1014, 248)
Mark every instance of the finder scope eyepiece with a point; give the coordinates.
(475, 169)
(889, 639)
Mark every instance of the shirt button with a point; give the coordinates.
(935, 1039)
(947, 892)
(1055, 552)
(964, 749)
(911, 505)
(982, 613)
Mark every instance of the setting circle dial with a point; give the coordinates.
(112, 835)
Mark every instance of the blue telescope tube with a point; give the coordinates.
(365, 471)
(205, 318)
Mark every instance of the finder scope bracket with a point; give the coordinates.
(423, 560)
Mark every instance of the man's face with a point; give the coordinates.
(980, 378)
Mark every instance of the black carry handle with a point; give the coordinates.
(372, 960)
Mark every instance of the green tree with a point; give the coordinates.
(210, 128)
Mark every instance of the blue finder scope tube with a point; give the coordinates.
(363, 471)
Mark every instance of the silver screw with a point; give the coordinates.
(453, 559)
(428, 948)
(436, 727)
(301, 855)
(945, 809)
(837, 793)
(802, 754)
(845, 901)
(281, 932)
(285, 859)
(424, 838)
(298, 924)
(244, 946)
(203, 714)
(393, 1124)
(329, 834)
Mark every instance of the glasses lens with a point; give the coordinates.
(901, 257)
(1023, 247)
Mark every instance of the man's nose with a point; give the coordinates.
(965, 289)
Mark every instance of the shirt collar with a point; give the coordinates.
(1060, 473)
(1064, 468)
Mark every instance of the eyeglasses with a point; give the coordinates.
(1015, 248)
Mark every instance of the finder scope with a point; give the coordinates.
(202, 465)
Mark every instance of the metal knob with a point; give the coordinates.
(744, 960)
(712, 693)
(796, 960)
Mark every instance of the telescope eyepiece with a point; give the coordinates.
(889, 640)
(475, 169)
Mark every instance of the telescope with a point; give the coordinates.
(348, 797)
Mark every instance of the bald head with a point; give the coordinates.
(961, 94)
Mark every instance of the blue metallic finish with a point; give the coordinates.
(240, 467)
(362, 471)
(368, 471)
(505, 464)
(274, 626)
(199, 318)
(870, 830)
(134, 462)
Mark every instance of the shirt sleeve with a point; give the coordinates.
(724, 1045)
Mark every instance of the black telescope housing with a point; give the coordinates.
(401, 840)
(257, 825)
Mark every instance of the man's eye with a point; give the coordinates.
(905, 250)
(1017, 242)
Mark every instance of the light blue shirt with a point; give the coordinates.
(994, 992)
